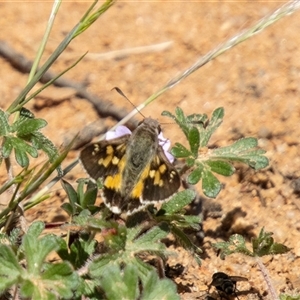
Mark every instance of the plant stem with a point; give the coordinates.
(267, 278)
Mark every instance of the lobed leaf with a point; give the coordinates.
(117, 283)
(29, 126)
(10, 270)
(156, 288)
(178, 202)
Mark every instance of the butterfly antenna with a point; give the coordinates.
(122, 94)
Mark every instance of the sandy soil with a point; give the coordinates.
(256, 82)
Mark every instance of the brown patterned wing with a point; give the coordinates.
(101, 159)
(162, 181)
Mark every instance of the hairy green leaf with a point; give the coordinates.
(37, 249)
(195, 176)
(211, 186)
(21, 149)
(178, 202)
(156, 288)
(29, 126)
(221, 167)
(179, 151)
(10, 269)
(7, 147)
(119, 283)
(212, 126)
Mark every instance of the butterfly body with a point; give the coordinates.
(134, 169)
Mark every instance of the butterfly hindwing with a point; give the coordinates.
(162, 181)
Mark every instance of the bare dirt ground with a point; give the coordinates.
(256, 82)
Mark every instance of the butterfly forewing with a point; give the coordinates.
(102, 158)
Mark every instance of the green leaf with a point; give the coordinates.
(7, 147)
(186, 243)
(179, 151)
(244, 150)
(168, 114)
(195, 176)
(27, 289)
(29, 126)
(156, 288)
(21, 158)
(90, 195)
(217, 118)
(41, 142)
(190, 162)
(79, 252)
(178, 202)
(80, 188)
(258, 162)
(221, 167)
(194, 140)
(37, 249)
(43, 280)
(99, 265)
(211, 186)
(60, 278)
(4, 124)
(68, 208)
(264, 245)
(123, 246)
(10, 269)
(21, 149)
(289, 297)
(72, 195)
(179, 114)
(150, 241)
(181, 121)
(119, 284)
(197, 119)
(212, 126)
(21, 146)
(236, 244)
(192, 222)
(239, 147)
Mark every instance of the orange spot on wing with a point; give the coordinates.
(139, 187)
(114, 182)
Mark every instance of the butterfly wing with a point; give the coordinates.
(162, 181)
(103, 158)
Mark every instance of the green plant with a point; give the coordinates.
(89, 267)
(39, 279)
(204, 162)
(263, 245)
(288, 297)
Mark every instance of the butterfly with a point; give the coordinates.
(134, 169)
